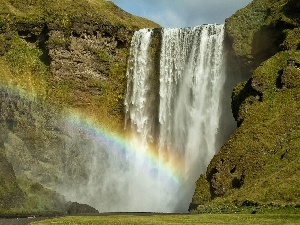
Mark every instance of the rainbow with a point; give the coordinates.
(169, 170)
(122, 146)
(166, 171)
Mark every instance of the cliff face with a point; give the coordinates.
(56, 58)
(259, 164)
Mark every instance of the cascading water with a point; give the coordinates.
(185, 126)
(173, 112)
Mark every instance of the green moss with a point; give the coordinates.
(243, 97)
(3, 44)
(117, 86)
(265, 76)
(40, 199)
(63, 14)
(292, 40)
(21, 67)
(24, 57)
(291, 77)
(11, 194)
(203, 197)
(103, 56)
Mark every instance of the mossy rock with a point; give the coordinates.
(11, 195)
(201, 197)
(292, 40)
(290, 77)
(243, 96)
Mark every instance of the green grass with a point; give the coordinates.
(63, 14)
(204, 219)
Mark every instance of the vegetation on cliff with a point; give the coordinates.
(55, 56)
(259, 165)
(39, 37)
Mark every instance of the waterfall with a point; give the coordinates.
(178, 116)
(173, 115)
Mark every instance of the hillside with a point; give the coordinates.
(259, 166)
(57, 59)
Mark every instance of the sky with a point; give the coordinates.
(182, 13)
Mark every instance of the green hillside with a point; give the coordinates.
(259, 165)
(63, 14)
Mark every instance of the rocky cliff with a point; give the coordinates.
(259, 165)
(57, 58)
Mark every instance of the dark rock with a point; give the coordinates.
(77, 208)
(192, 207)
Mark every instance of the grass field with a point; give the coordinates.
(204, 219)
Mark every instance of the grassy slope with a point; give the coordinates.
(260, 163)
(62, 13)
(265, 219)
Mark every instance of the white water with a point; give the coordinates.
(173, 108)
(182, 121)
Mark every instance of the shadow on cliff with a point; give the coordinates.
(292, 10)
(267, 40)
(265, 43)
